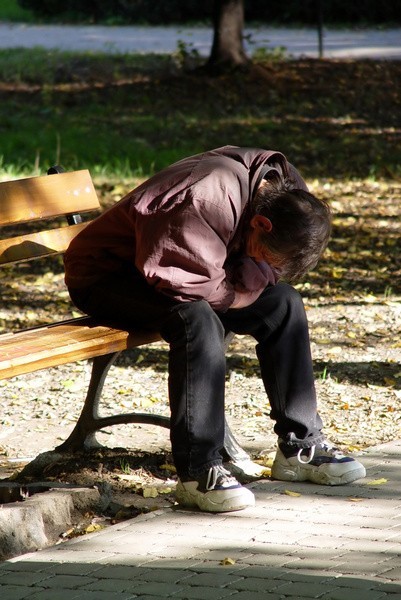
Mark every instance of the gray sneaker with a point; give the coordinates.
(214, 491)
(323, 464)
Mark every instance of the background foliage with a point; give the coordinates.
(181, 11)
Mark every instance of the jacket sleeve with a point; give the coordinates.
(184, 254)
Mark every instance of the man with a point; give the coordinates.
(199, 250)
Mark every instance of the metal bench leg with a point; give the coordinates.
(83, 435)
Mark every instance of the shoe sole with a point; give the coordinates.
(302, 473)
(235, 502)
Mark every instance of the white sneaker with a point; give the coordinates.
(214, 491)
(323, 464)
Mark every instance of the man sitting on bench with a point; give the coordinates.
(196, 251)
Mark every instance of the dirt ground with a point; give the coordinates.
(353, 303)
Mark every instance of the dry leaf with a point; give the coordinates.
(168, 467)
(93, 527)
(227, 561)
(290, 493)
(150, 492)
(377, 481)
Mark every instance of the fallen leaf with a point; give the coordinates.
(227, 561)
(93, 527)
(290, 493)
(168, 467)
(377, 481)
(150, 492)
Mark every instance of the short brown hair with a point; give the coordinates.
(301, 225)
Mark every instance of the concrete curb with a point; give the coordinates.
(37, 522)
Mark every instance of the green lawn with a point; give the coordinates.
(11, 11)
(133, 114)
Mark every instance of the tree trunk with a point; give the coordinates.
(228, 23)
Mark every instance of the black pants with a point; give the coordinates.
(197, 365)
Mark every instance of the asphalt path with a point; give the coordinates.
(381, 44)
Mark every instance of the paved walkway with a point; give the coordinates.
(301, 541)
(364, 43)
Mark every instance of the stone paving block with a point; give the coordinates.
(23, 566)
(353, 594)
(67, 581)
(306, 589)
(126, 559)
(173, 551)
(161, 590)
(174, 563)
(202, 593)
(11, 592)
(68, 554)
(316, 564)
(308, 575)
(323, 541)
(104, 596)
(270, 558)
(247, 595)
(368, 582)
(212, 579)
(213, 556)
(374, 547)
(71, 569)
(393, 587)
(59, 594)
(263, 572)
(27, 579)
(257, 584)
(284, 537)
(360, 583)
(373, 534)
(392, 570)
(164, 575)
(110, 585)
(359, 564)
(119, 572)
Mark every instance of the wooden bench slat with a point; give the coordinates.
(57, 344)
(37, 245)
(47, 196)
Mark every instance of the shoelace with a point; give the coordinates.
(312, 451)
(213, 475)
(309, 458)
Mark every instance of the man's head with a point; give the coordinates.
(289, 228)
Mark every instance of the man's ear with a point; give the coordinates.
(262, 223)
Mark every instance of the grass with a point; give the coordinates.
(123, 116)
(12, 12)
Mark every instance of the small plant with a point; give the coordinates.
(388, 291)
(324, 375)
(263, 54)
(124, 466)
(186, 56)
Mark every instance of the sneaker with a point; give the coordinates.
(323, 464)
(214, 491)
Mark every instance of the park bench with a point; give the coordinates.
(39, 203)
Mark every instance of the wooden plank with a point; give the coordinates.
(36, 198)
(61, 343)
(37, 245)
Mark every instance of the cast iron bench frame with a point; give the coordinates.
(72, 196)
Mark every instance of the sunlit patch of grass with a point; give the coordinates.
(11, 11)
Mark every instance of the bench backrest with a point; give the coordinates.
(39, 200)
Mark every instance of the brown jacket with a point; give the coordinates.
(183, 229)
